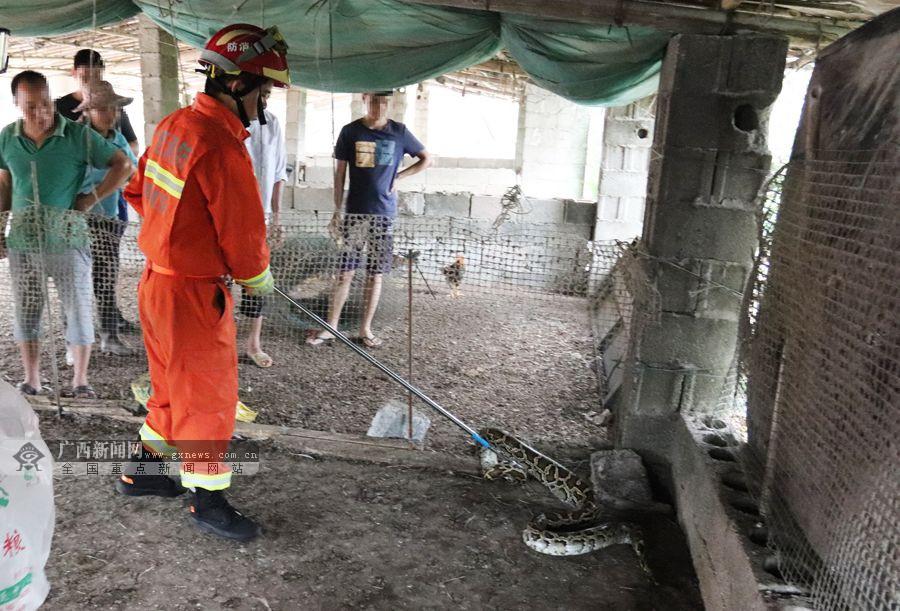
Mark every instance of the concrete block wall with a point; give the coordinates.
(552, 144)
(624, 164)
(449, 174)
(558, 215)
(543, 253)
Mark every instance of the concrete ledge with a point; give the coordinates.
(728, 564)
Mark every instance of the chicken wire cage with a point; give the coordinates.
(513, 298)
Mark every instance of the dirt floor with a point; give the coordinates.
(523, 364)
(340, 535)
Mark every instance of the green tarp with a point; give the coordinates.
(352, 45)
(361, 45)
(49, 17)
(589, 64)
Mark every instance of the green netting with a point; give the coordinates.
(588, 64)
(45, 17)
(362, 45)
(351, 45)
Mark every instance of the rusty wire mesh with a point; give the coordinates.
(820, 377)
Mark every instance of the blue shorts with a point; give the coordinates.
(370, 232)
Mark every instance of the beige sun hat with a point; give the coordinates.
(101, 95)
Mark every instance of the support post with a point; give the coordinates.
(420, 124)
(295, 128)
(159, 73)
(357, 108)
(709, 160)
(622, 185)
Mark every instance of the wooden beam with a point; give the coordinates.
(396, 452)
(50, 42)
(671, 17)
(501, 67)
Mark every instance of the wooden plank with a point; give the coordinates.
(377, 453)
(394, 452)
(671, 17)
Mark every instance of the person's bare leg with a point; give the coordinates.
(82, 356)
(31, 362)
(372, 297)
(338, 300)
(253, 344)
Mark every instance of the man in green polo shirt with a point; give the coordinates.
(43, 158)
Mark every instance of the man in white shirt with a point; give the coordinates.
(267, 150)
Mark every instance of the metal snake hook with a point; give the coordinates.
(391, 374)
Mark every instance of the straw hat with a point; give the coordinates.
(101, 95)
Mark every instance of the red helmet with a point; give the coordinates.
(242, 47)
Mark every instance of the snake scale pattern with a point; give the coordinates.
(579, 531)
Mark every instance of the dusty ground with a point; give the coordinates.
(339, 535)
(520, 363)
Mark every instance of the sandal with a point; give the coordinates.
(370, 342)
(26, 389)
(318, 340)
(261, 359)
(79, 392)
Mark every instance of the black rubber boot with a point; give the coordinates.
(149, 483)
(212, 513)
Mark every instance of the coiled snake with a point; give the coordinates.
(558, 534)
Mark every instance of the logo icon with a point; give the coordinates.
(28, 457)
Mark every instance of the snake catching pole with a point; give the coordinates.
(387, 371)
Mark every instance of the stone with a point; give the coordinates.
(392, 418)
(620, 479)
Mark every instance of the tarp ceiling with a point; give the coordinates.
(360, 45)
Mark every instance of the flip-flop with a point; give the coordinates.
(26, 389)
(317, 340)
(79, 392)
(261, 359)
(370, 342)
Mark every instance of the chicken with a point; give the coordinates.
(453, 273)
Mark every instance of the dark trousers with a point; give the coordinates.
(105, 238)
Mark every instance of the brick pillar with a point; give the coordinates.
(295, 126)
(357, 108)
(159, 73)
(397, 109)
(624, 163)
(709, 160)
(420, 123)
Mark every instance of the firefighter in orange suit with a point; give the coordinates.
(202, 222)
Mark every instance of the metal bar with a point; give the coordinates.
(389, 372)
(409, 340)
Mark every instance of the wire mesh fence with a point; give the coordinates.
(501, 317)
(818, 377)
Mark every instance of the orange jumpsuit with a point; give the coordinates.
(202, 220)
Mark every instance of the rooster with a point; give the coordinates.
(454, 274)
